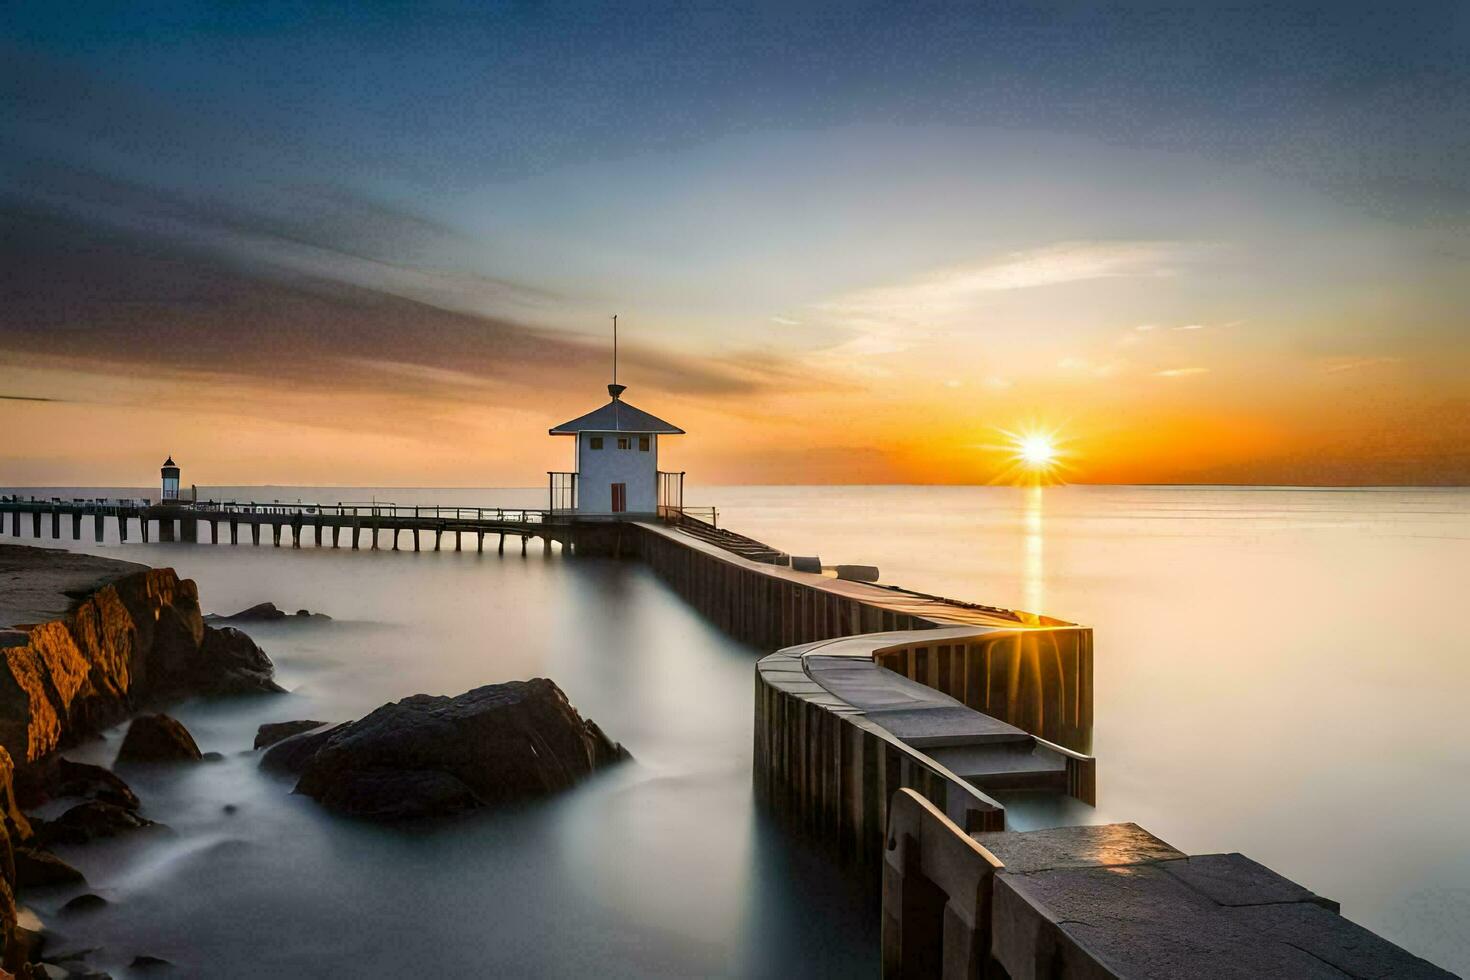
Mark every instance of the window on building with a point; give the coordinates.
(623, 442)
(595, 442)
(643, 444)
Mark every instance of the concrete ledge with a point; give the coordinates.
(837, 735)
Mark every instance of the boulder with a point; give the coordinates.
(84, 903)
(265, 612)
(55, 778)
(88, 822)
(427, 756)
(35, 867)
(227, 663)
(272, 732)
(158, 738)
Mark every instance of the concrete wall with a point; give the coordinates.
(1039, 680)
(599, 469)
(758, 608)
(822, 767)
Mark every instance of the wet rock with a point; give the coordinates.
(265, 612)
(26, 946)
(212, 757)
(55, 778)
(134, 639)
(290, 755)
(87, 822)
(272, 732)
(229, 809)
(228, 663)
(158, 738)
(86, 902)
(427, 756)
(35, 867)
(143, 962)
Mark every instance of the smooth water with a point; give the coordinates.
(1278, 672)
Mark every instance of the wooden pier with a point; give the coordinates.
(342, 525)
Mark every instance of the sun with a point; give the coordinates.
(1036, 451)
(1034, 455)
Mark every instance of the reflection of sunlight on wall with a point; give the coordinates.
(1031, 587)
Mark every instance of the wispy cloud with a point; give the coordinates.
(27, 398)
(1339, 365)
(887, 319)
(786, 321)
(1183, 372)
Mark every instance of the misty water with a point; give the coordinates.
(1278, 672)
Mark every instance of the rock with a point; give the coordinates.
(272, 732)
(87, 822)
(158, 738)
(55, 778)
(35, 867)
(125, 641)
(228, 663)
(265, 612)
(142, 962)
(290, 755)
(427, 756)
(230, 809)
(87, 902)
(212, 757)
(26, 946)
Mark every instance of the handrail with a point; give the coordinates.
(212, 508)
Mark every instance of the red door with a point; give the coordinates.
(619, 497)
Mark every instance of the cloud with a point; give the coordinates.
(27, 398)
(124, 302)
(1339, 365)
(888, 319)
(1181, 372)
(785, 321)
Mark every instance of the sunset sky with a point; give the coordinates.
(315, 244)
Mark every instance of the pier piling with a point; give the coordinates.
(97, 527)
(36, 524)
(55, 524)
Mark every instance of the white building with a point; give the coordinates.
(615, 463)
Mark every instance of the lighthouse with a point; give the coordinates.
(170, 473)
(615, 470)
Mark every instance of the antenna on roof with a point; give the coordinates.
(615, 389)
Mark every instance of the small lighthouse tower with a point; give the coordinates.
(615, 460)
(170, 474)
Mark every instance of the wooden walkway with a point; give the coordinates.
(329, 525)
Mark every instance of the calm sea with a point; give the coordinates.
(1278, 672)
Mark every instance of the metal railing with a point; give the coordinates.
(681, 515)
(341, 509)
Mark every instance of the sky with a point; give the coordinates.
(364, 244)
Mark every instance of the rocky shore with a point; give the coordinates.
(90, 642)
(87, 642)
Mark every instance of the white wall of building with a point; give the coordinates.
(599, 469)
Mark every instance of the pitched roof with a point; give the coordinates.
(617, 416)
